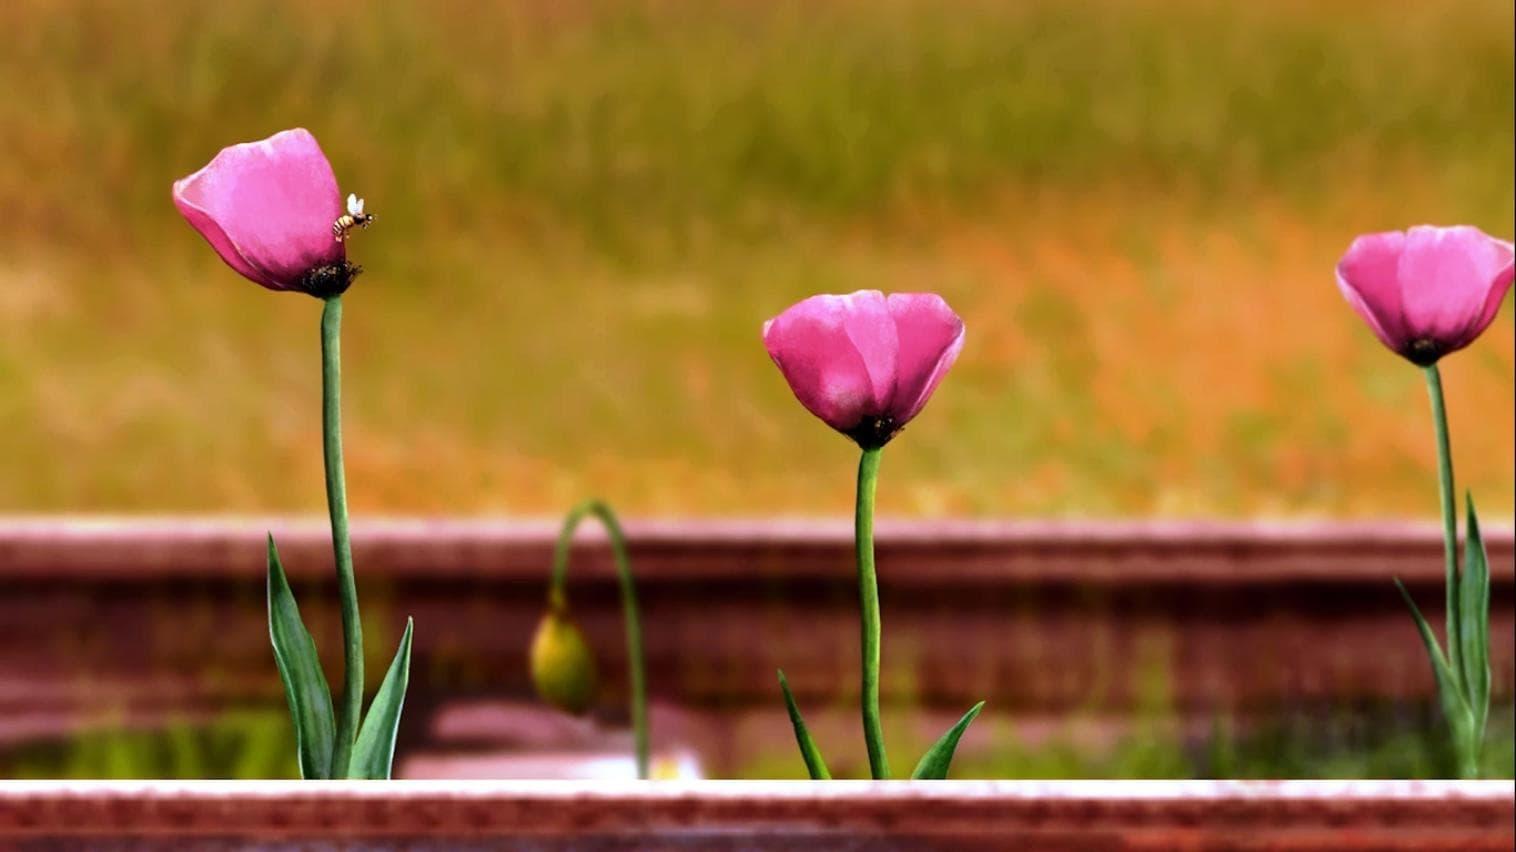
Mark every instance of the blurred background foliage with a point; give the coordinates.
(587, 209)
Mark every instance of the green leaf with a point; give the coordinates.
(304, 684)
(1454, 705)
(814, 764)
(934, 764)
(1474, 609)
(374, 751)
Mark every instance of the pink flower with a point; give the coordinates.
(864, 363)
(268, 208)
(1427, 291)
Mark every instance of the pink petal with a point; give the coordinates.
(931, 336)
(1368, 276)
(267, 207)
(202, 222)
(1500, 283)
(866, 317)
(812, 343)
(1446, 276)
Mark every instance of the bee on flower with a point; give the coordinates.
(353, 218)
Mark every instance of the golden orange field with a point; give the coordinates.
(588, 209)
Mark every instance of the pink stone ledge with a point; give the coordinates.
(146, 548)
(1338, 815)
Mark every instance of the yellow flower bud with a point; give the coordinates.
(563, 669)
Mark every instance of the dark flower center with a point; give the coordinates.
(871, 433)
(330, 280)
(1423, 352)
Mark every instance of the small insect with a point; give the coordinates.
(353, 218)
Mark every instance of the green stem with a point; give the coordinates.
(1466, 741)
(336, 503)
(1449, 520)
(558, 600)
(868, 600)
(1468, 756)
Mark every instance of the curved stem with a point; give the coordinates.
(336, 502)
(558, 600)
(868, 600)
(1449, 521)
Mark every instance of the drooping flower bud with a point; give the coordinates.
(563, 669)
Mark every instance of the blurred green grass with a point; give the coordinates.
(1405, 742)
(588, 208)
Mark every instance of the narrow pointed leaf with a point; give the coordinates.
(814, 764)
(1474, 609)
(1454, 706)
(305, 685)
(934, 764)
(374, 752)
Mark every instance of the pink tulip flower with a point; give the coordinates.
(268, 208)
(1427, 291)
(865, 363)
